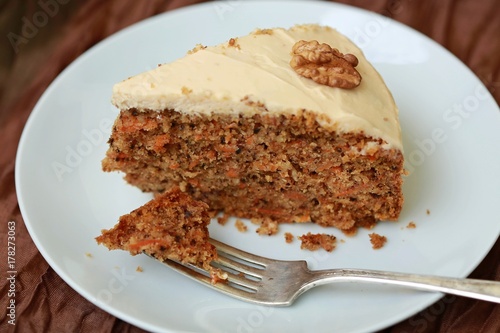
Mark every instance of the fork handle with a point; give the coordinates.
(473, 288)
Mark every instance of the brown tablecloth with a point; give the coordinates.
(31, 58)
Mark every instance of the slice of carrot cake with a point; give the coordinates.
(292, 125)
(171, 226)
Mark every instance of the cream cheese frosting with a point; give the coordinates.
(256, 68)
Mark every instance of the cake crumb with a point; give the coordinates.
(249, 102)
(351, 232)
(186, 90)
(139, 269)
(197, 48)
(88, 255)
(222, 220)
(288, 237)
(411, 225)
(268, 227)
(313, 242)
(263, 32)
(428, 212)
(240, 225)
(232, 42)
(377, 240)
(218, 275)
(256, 220)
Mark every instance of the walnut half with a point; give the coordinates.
(325, 65)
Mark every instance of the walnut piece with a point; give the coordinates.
(325, 65)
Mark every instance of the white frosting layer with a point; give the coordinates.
(223, 78)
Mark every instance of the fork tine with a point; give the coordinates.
(244, 282)
(189, 270)
(252, 258)
(247, 275)
(239, 267)
(235, 286)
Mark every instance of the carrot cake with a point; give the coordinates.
(171, 226)
(292, 125)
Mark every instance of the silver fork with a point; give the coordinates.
(267, 281)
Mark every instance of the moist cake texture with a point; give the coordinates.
(235, 126)
(171, 226)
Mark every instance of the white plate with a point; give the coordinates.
(451, 137)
